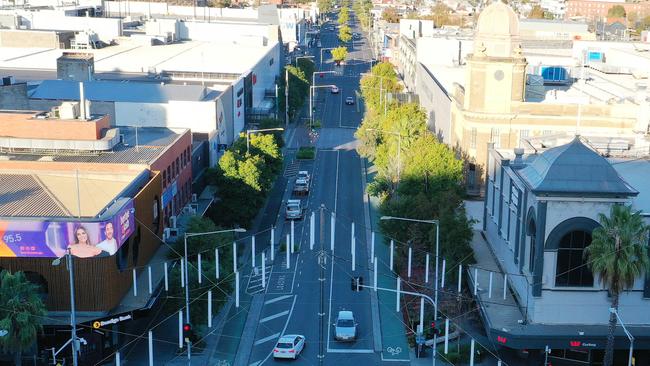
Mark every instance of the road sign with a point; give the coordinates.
(419, 338)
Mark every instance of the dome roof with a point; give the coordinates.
(574, 169)
(498, 19)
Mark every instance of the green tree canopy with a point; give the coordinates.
(391, 15)
(345, 33)
(325, 6)
(339, 54)
(616, 11)
(21, 313)
(344, 16)
(381, 79)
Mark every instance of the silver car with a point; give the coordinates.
(345, 328)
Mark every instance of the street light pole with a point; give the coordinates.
(286, 97)
(187, 282)
(311, 94)
(627, 333)
(73, 312)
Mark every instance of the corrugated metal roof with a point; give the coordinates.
(116, 91)
(574, 168)
(22, 195)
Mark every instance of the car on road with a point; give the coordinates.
(301, 187)
(356, 35)
(294, 210)
(289, 346)
(349, 101)
(335, 90)
(345, 328)
(303, 174)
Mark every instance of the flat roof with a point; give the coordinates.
(151, 143)
(54, 194)
(117, 91)
(133, 56)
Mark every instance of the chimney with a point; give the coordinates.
(519, 161)
(82, 102)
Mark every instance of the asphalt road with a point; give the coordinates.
(295, 302)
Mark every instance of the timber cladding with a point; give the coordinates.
(100, 283)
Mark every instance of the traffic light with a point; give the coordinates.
(435, 329)
(188, 334)
(356, 283)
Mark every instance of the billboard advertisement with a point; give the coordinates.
(51, 239)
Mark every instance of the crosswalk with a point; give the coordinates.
(292, 169)
(255, 280)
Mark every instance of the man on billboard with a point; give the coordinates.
(109, 245)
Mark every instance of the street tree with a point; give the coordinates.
(21, 313)
(345, 34)
(382, 79)
(339, 54)
(298, 90)
(391, 15)
(618, 255)
(344, 16)
(616, 11)
(201, 244)
(325, 6)
(536, 12)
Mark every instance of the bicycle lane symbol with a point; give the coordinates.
(394, 351)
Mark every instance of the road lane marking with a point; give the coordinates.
(286, 324)
(279, 298)
(254, 363)
(266, 339)
(274, 316)
(342, 350)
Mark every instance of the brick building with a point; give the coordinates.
(598, 9)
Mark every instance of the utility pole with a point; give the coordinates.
(286, 96)
(321, 279)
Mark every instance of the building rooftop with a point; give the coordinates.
(54, 194)
(132, 56)
(149, 144)
(134, 92)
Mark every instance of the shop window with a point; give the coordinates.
(571, 269)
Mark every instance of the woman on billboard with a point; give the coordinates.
(82, 246)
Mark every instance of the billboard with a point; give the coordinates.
(51, 239)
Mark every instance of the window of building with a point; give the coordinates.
(169, 176)
(571, 269)
(472, 139)
(495, 137)
(164, 179)
(178, 165)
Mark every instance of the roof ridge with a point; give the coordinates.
(51, 195)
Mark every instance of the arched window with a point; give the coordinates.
(532, 235)
(571, 269)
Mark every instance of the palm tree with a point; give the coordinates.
(21, 312)
(618, 254)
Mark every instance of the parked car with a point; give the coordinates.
(345, 328)
(335, 90)
(289, 346)
(349, 101)
(294, 210)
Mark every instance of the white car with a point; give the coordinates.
(349, 101)
(345, 328)
(289, 346)
(294, 210)
(335, 90)
(304, 175)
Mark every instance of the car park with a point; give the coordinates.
(335, 90)
(349, 101)
(293, 210)
(289, 346)
(345, 327)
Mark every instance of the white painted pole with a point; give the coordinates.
(460, 276)
(505, 285)
(490, 286)
(475, 281)
(236, 289)
(352, 232)
(272, 243)
(198, 269)
(392, 249)
(446, 335)
(375, 273)
(263, 270)
(397, 293)
(293, 236)
(118, 360)
(209, 308)
(409, 266)
(149, 278)
(421, 326)
(444, 269)
(217, 264)
(426, 269)
(182, 273)
(332, 231)
(180, 328)
(135, 284)
(234, 256)
(354, 254)
(499, 363)
(150, 349)
(471, 356)
(288, 254)
(166, 278)
(312, 230)
(253, 251)
(372, 247)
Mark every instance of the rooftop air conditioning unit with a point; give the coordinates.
(69, 110)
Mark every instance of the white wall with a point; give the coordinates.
(265, 74)
(155, 8)
(239, 117)
(197, 116)
(106, 28)
(223, 32)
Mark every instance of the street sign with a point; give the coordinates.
(419, 338)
